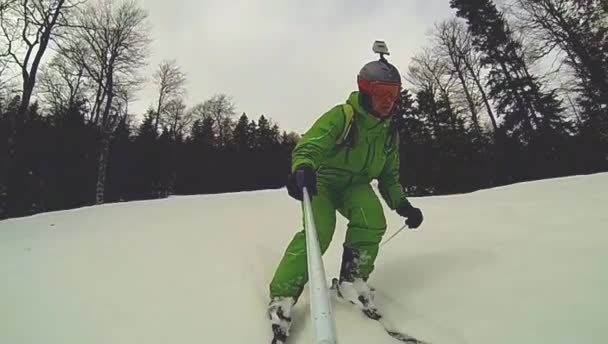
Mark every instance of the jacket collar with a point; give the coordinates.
(365, 119)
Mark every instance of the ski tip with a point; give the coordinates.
(402, 337)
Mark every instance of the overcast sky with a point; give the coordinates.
(290, 60)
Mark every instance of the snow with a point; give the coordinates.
(524, 263)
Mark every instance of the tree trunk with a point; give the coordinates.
(104, 150)
(483, 95)
(475, 120)
(467, 94)
(5, 168)
(107, 127)
(29, 78)
(156, 120)
(28, 89)
(74, 89)
(7, 163)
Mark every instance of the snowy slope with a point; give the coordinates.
(526, 263)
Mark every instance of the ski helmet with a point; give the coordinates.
(377, 77)
(378, 71)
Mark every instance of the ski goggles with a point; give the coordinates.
(381, 90)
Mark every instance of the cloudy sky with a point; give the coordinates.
(290, 60)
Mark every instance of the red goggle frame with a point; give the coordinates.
(380, 89)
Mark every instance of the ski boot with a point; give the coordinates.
(279, 313)
(352, 287)
(360, 294)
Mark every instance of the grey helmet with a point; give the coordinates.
(375, 71)
(380, 70)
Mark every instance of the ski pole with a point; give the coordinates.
(397, 232)
(392, 236)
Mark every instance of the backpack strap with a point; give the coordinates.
(349, 115)
(347, 136)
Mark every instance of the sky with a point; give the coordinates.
(288, 60)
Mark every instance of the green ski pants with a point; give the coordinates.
(366, 226)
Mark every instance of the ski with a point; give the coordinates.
(371, 311)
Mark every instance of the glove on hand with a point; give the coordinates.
(413, 215)
(303, 176)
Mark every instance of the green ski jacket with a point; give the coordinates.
(373, 154)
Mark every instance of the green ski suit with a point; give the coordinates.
(344, 175)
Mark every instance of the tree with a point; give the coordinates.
(220, 108)
(176, 118)
(266, 136)
(416, 148)
(528, 111)
(430, 74)
(62, 83)
(8, 88)
(242, 139)
(579, 30)
(170, 81)
(111, 44)
(146, 131)
(454, 44)
(28, 27)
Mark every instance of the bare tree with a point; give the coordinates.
(219, 108)
(422, 70)
(28, 27)
(579, 29)
(177, 118)
(111, 44)
(454, 43)
(125, 94)
(170, 81)
(431, 73)
(8, 86)
(62, 83)
(198, 111)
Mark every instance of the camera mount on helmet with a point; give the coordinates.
(381, 48)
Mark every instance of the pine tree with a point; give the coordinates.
(252, 132)
(120, 175)
(264, 135)
(147, 159)
(526, 109)
(415, 147)
(242, 138)
(146, 131)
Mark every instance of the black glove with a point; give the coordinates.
(303, 176)
(414, 215)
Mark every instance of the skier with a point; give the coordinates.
(344, 150)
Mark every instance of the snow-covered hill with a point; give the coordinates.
(526, 263)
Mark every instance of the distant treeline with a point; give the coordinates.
(499, 95)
